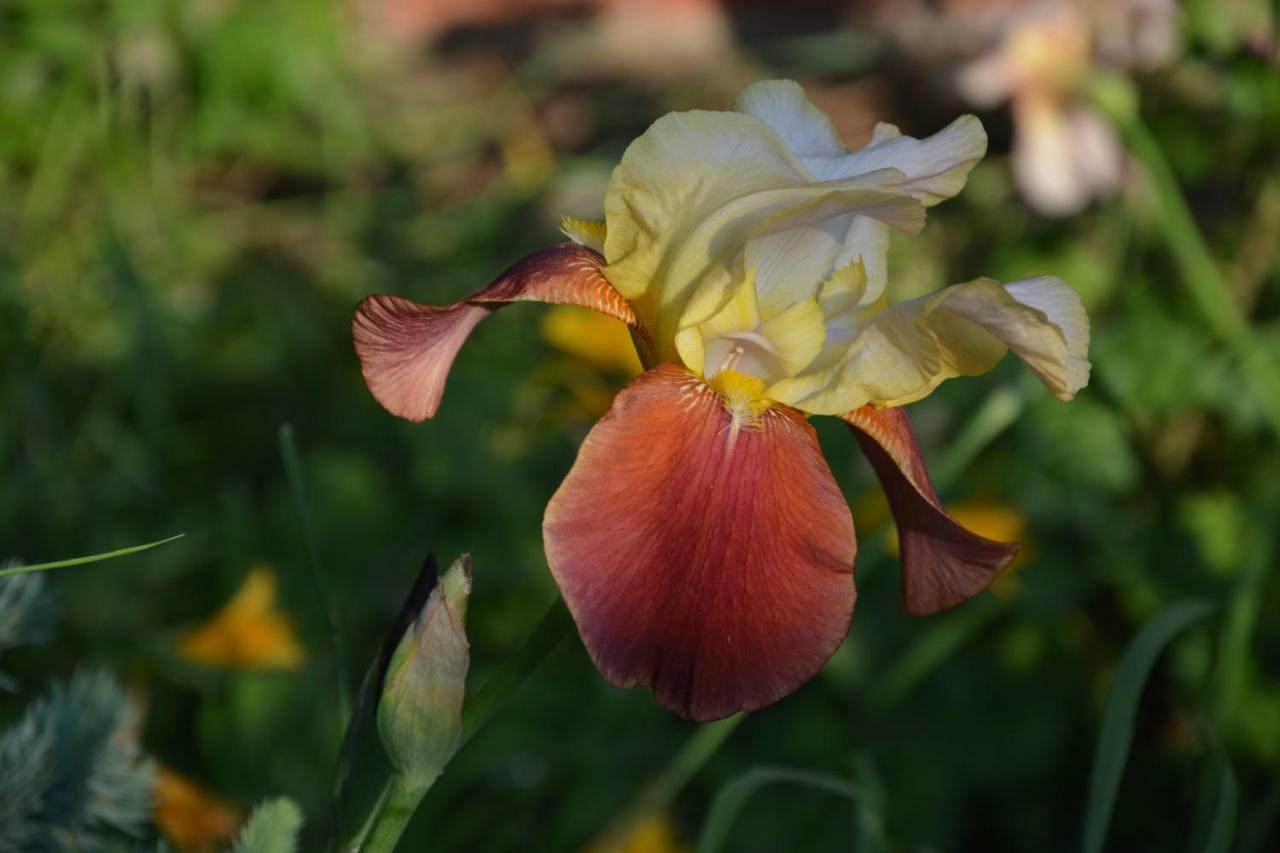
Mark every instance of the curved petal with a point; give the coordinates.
(935, 167)
(909, 349)
(714, 563)
(943, 564)
(406, 349)
(690, 193)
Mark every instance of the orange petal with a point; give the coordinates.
(714, 563)
(943, 564)
(406, 349)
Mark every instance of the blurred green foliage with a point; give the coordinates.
(193, 196)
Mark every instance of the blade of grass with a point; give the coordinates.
(93, 558)
(489, 699)
(293, 472)
(732, 798)
(1222, 829)
(1112, 751)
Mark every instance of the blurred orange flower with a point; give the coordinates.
(191, 817)
(248, 632)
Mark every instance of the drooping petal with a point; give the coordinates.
(406, 349)
(943, 564)
(935, 168)
(694, 189)
(906, 351)
(714, 563)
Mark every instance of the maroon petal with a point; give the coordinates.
(943, 564)
(714, 563)
(406, 349)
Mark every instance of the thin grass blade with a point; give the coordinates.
(733, 797)
(1112, 751)
(93, 558)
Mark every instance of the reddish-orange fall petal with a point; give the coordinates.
(943, 564)
(714, 563)
(406, 349)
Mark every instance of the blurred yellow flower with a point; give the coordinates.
(191, 817)
(248, 632)
(600, 341)
(653, 834)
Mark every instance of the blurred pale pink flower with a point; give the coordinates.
(1065, 155)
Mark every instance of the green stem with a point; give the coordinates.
(656, 796)
(1201, 276)
(1000, 409)
(931, 649)
(398, 802)
(555, 625)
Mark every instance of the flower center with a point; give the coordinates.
(746, 353)
(743, 397)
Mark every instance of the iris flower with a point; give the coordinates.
(700, 540)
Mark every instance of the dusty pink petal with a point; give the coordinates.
(714, 564)
(943, 564)
(406, 349)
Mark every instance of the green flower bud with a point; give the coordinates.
(420, 711)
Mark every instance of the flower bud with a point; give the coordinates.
(420, 712)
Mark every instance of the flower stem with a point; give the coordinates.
(399, 799)
(656, 796)
(1201, 276)
(395, 809)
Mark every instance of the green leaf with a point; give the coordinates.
(80, 561)
(1122, 705)
(732, 798)
(272, 828)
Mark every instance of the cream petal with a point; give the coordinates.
(690, 193)
(906, 351)
(935, 167)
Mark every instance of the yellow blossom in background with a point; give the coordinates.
(248, 632)
(653, 834)
(600, 341)
(191, 817)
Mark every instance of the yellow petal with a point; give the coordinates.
(738, 338)
(906, 351)
(248, 632)
(600, 341)
(796, 334)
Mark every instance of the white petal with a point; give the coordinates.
(935, 167)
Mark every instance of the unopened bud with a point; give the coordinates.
(420, 711)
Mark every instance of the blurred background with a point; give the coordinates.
(195, 194)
